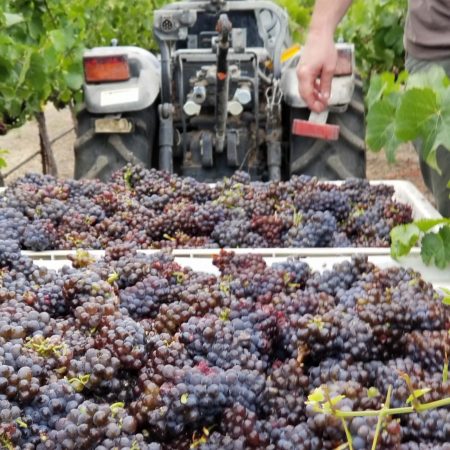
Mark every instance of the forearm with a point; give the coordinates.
(317, 62)
(326, 16)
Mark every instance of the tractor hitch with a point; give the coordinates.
(316, 127)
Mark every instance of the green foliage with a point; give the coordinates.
(435, 245)
(299, 16)
(409, 108)
(376, 29)
(403, 109)
(42, 43)
(40, 61)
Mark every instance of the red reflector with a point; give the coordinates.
(344, 65)
(315, 130)
(106, 68)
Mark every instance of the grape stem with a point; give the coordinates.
(393, 411)
(382, 415)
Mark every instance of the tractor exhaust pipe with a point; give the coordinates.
(223, 27)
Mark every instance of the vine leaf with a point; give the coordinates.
(433, 249)
(435, 246)
(425, 225)
(444, 232)
(403, 238)
(13, 19)
(61, 39)
(425, 113)
(380, 132)
(435, 76)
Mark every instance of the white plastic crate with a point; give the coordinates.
(203, 263)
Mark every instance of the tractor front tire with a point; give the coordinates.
(98, 155)
(332, 160)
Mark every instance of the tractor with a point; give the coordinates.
(221, 95)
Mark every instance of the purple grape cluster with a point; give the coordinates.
(137, 352)
(150, 209)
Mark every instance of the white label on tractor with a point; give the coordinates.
(119, 96)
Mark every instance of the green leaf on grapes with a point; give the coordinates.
(225, 314)
(21, 423)
(417, 394)
(403, 238)
(115, 406)
(433, 250)
(335, 400)
(112, 277)
(316, 396)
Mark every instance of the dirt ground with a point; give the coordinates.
(23, 142)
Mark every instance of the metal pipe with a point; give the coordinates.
(166, 75)
(181, 101)
(166, 137)
(222, 80)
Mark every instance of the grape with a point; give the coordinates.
(12, 223)
(136, 351)
(316, 229)
(151, 209)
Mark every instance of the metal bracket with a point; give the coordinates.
(113, 125)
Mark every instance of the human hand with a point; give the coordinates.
(315, 71)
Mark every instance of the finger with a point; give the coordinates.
(319, 103)
(306, 85)
(318, 106)
(325, 83)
